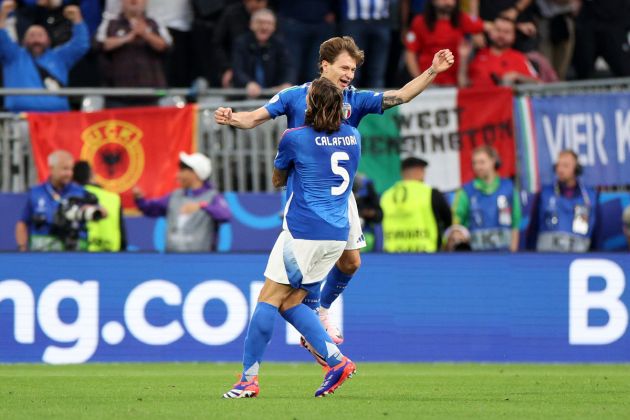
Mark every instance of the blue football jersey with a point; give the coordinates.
(356, 104)
(321, 169)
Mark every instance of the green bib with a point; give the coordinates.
(408, 221)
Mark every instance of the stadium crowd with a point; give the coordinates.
(272, 44)
(257, 44)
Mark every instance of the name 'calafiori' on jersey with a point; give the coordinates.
(335, 141)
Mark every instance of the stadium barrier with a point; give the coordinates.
(257, 220)
(242, 158)
(67, 308)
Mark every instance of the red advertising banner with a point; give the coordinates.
(486, 117)
(125, 147)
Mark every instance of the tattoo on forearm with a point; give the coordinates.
(391, 101)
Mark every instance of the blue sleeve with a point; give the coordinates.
(72, 51)
(27, 212)
(369, 102)
(357, 135)
(285, 155)
(8, 48)
(277, 105)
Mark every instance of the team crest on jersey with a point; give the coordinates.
(114, 150)
(346, 110)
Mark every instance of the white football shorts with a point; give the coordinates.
(356, 240)
(299, 262)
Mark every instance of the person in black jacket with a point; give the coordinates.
(260, 58)
(232, 23)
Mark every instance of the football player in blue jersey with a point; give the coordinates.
(339, 58)
(317, 162)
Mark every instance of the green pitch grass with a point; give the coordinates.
(150, 391)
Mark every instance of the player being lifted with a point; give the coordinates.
(339, 58)
(317, 163)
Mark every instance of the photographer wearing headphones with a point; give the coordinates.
(565, 213)
(56, 211)
(489, 205)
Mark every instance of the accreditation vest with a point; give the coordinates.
(189, 232)
(565, 224)
(408, 221)
(104, 234)
(490, 216)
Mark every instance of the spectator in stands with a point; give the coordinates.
(260, 59)
(369, 24)
(233, 22)
(602, 31)
(305, 24)
(36, 65)
(564, 215)
(368, 204)
(556, 29)
(414, 214)
(625, 219)
(500, 64)
(457, 238)
(489, 205)
(105, 235)
(55, 212)
(134, 47)
(177, 17)
(409, 9)
(45, 13)
(442, 26)
(518, 11)
(206, 15)
(193, 211)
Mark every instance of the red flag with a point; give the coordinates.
(125, 147)
(486, 117)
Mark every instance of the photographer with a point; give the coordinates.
(56, 211)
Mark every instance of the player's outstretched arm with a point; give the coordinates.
(442, 61)
(248, 119)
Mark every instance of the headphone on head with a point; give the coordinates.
(490, 151)
(579, 169)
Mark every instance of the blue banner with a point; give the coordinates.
(595, 126)
(75, 308)
(257, 221)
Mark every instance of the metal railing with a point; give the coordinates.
(242, 159)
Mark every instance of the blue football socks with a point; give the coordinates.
(312, 298)
(307, 323)
(259, 334)
(336, 282)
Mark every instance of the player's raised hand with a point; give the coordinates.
(443, 60)
(223, 116)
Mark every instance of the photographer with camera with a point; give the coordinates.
(56, 211)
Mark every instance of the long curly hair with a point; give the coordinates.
(324, 110)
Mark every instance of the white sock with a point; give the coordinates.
(323, 312)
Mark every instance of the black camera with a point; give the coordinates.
(71, 216)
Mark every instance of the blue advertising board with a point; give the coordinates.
(257, 221)
(75, 308)
(595, 126)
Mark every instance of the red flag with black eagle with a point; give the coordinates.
(125, 147)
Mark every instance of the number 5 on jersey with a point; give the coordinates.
(335, 158)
